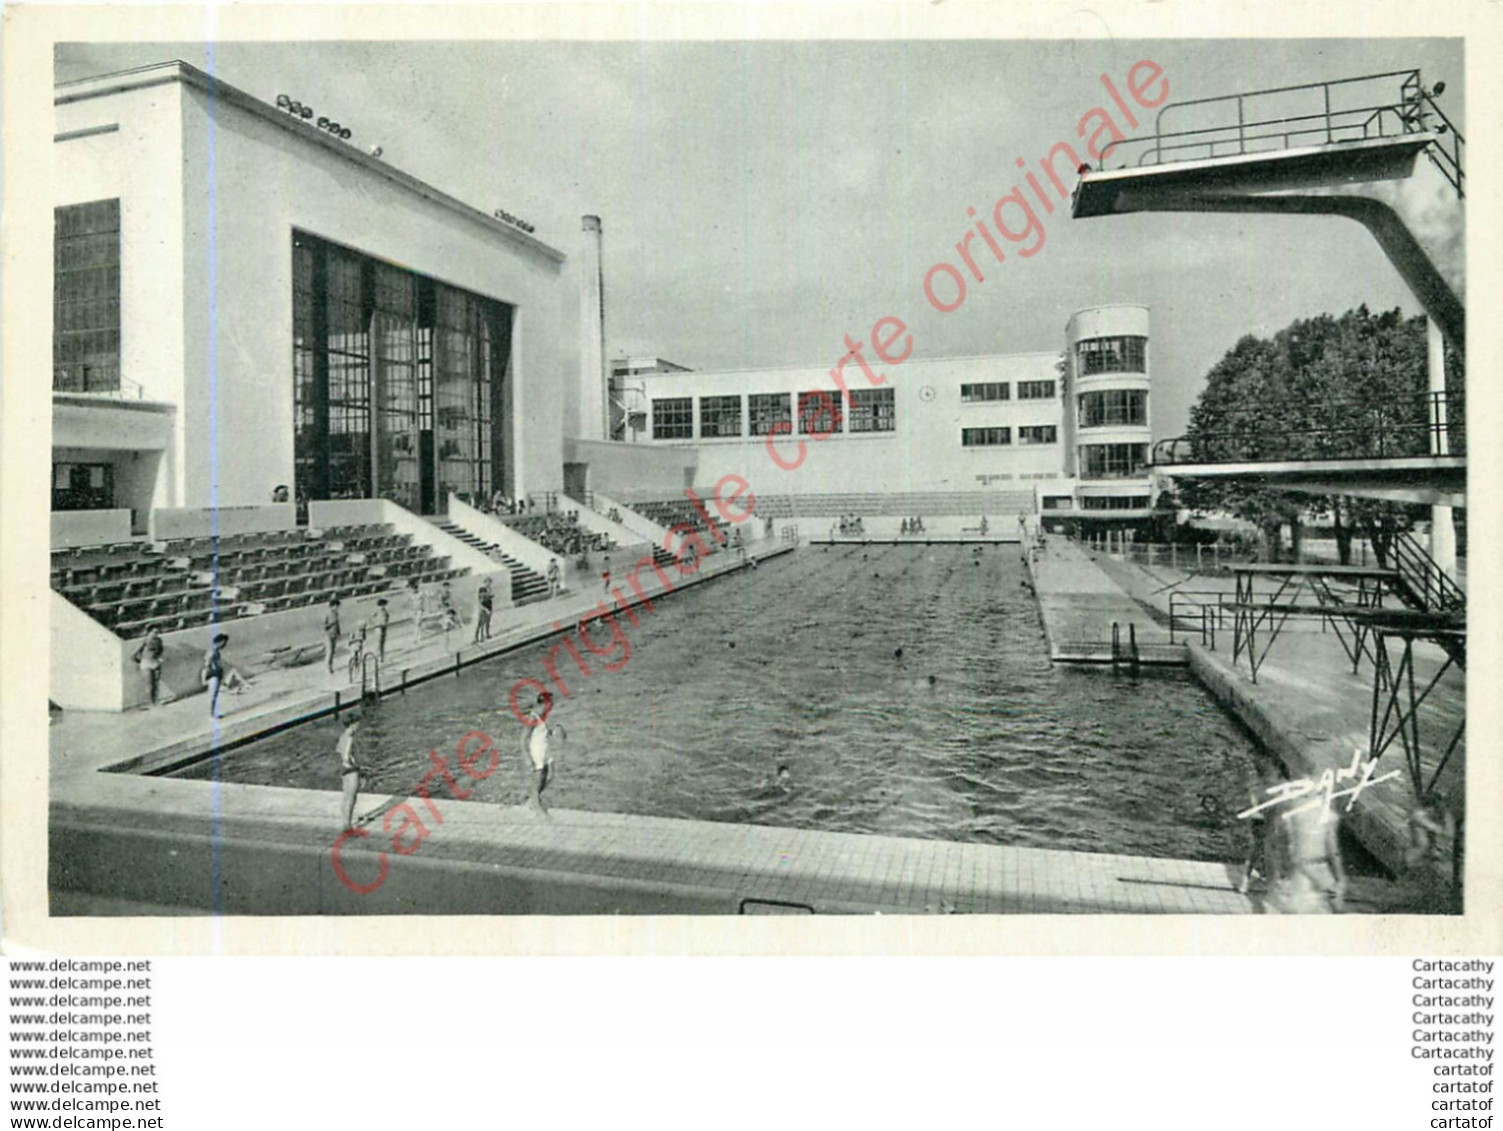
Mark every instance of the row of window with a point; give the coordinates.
(820, 413)
(1122, 354)
(1115, 406)
(996, 437)
(981, 391)
(1113, 502)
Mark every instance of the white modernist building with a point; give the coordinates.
(245, 301)
(1065, 434)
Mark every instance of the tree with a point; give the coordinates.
(1322, 388)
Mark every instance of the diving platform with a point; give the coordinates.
(1166, 187)
(1279, 151)
(1427, 480)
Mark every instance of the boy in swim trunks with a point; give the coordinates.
(535, 736)
(349, 769)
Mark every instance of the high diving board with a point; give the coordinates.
(1150, 188)
(1425, 480)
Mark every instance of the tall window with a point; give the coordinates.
(768, 409)
(86, 297)
(985, 391)
(1113, 461)
(873, 410)
(1124, 354)
(985, 437)
(397, 381)
(1115, 406)
(1038, 434)
(719, 416)
(1035, 390)
(673, 418)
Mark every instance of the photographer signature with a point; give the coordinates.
(1323, 791)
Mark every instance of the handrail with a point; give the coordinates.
(1406, 110)
(1429, 583)
(1410, 429)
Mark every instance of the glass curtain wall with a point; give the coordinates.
(398, 382)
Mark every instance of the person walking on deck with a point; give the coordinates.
(331, 631)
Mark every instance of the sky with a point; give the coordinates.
(760, 200)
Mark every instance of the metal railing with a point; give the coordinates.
(1327, 113)
(96, 384)
(1425, 580)
(1197, 612)
(1410, 428)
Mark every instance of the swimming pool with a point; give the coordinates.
(968, 733)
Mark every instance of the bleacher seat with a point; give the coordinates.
(191, 582)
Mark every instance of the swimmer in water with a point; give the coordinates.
(785, 777)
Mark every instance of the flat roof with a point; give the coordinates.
(159, 74)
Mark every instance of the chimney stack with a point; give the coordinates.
(594, 376)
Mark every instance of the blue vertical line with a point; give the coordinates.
(211, 233)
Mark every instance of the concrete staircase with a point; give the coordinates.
(527, 585)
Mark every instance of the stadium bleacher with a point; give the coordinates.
(130, 587)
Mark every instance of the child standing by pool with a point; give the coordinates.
(535, 750)
(349, 768)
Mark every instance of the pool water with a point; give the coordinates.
(968, 733)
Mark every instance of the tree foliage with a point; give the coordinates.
(1322, 388)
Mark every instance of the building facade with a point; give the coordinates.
(1108, 376)
(1070, 429)
(244, 301)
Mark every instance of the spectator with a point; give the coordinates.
(331, 630)
(279, 493)
(485, 598)
(149, 656)
(452, 619)
(381, 619)
(553, 576)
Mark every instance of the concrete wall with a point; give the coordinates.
(657, 471)
(89, 528)
(637, 524)
(88, 661)
(140, 163)
(202, 522)
(206, 269)
(270, 181)
(597, 523)
(924, 453)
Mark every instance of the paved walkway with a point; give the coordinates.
(1079, 603)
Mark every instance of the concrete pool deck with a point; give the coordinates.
(1079, 604)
